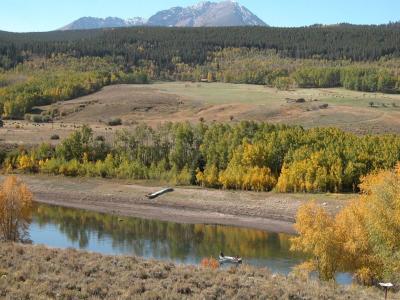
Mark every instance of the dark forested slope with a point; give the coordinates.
(192, 45)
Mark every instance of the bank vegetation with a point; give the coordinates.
(36, 272)
(244, 156)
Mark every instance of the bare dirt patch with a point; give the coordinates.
(130, 102)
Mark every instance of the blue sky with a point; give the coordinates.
(44, 15)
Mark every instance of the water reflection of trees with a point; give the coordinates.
(162, 239)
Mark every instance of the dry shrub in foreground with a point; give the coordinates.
(15, 209)
(35, 272)
(211, 263)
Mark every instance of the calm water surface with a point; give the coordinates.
(181, 243)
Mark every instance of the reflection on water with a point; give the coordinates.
(183, 243)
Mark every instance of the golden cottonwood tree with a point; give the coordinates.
(15, 209)
(317, 236)
(363, 238)
(246, 170)
(208, 178)
(381, 197)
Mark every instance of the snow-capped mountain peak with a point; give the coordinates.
(206, 13)
(202, 14)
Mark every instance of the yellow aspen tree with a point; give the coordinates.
(15, 209)
(317, 237)
(363, 238)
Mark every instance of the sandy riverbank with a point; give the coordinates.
(267, 211)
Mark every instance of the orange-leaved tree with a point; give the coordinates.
(15, 209)
(363, 238)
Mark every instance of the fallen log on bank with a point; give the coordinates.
(159, 193)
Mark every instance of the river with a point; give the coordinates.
(61, 227)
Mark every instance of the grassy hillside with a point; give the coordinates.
(223, 102)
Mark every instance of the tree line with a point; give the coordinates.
(246, 156)
(160, 45)
(267, 67)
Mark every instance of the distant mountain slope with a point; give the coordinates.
(95, 23)
(204, 14)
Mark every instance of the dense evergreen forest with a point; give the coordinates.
(248, 156)
(193, 45)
